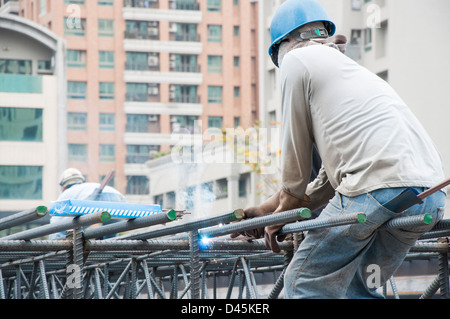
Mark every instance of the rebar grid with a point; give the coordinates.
(172, 261)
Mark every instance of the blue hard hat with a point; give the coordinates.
(293, 14)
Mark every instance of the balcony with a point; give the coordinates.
(145, 4)
(142, 35)
(154, 4)
(18, 83)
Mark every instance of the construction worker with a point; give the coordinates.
(372, 147)
(74, 186)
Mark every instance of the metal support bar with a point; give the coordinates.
(323, 223)
(238, 214)
(71, 223)
(443, 270)
(23, 217)
(194, 264)
(115, 228)
(257, 222)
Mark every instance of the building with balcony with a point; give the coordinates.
(32, 114)
(142, 72)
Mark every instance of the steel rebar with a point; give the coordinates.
(238, 214)
(150, 220)
(257, 222)
(23, 217)
(71, 223)
(323, 222)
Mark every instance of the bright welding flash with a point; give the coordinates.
(205, 241)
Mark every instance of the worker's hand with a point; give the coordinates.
(266, 208)
(287, 202)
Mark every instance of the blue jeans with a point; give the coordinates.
(342, 262)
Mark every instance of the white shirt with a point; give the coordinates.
(365, 134)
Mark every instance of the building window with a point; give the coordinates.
(220, 188)
(139, 154)
(236, 30)
(105, 2)
(10, 66)
(44, 67)
(214, 64)
(20, 124)
(107, 122)
(368, 39)
(137, 92)
(214, 94)
(21, 182)
(75, 27)
(76, 121)
(106, 59)
(145, 30)
(76, 58)
(107, 153)
(143, 123)
(183, 32)
(78, 153)
(137, 185)
(42, 7)
(237, 121)
(215, 121)
(183, 123)
(106, 90)
(214, 33)
(237, 91)
(142, 61)
(243, 184)
(214, 5)
(183, 63)
(105, 28)
(76, 90)
(74, 1)
(183, 94)
(236, 61)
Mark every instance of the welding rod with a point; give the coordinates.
(322, 222)
(70, 223)
(257, 222)
(154, 219)
(226, 218)
(23, 217)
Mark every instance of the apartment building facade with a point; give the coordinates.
(138, 71)
(32, 104)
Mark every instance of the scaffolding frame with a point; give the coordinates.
(174, 262)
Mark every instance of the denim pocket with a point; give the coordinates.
(376, 215)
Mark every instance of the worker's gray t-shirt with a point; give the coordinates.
(366, 135)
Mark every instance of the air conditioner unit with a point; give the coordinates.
(173, 28)
(152, 60)
(153, 118)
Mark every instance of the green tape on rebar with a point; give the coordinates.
(105, 216)
(427, 219)
(238, 214)
(304, 213)
(41, 210)
(361, 218)
(172, 214)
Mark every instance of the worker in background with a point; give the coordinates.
(371, 145)
(74, 186)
